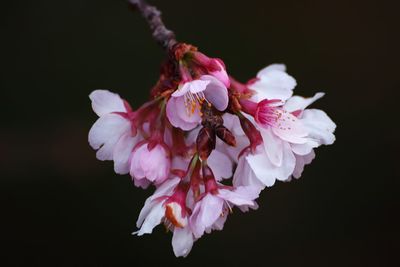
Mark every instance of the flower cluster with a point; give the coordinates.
(207, 142)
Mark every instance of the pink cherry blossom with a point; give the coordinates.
(206, 149)
(111, 134)
(183, 108)
(168, 204)
(213, 207)
(151, 163)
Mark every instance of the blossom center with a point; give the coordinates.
(194, 101)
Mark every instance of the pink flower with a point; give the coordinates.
(254, 133)
(213, 66)
(284, 153)
(221, 73)
(184, 105)
(168, 204)
(210, 212)
(150, 162)
(271, 116)
(111, 134)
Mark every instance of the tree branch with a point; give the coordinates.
(163, 36)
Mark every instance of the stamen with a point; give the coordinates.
(194, 101)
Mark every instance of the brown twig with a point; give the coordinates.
(163, 36)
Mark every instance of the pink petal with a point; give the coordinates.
(221, 75)
(185, 114)
(205, 213)
(155, 164)
(179, 163)
(220, 164)
(182, 241)
(290, 128)
(198, 86)
(173, 108)
(243, 195)
(104, 102)
(122, 152)
(142, 183)
(218, 224)
(216, 93)
(136, 169)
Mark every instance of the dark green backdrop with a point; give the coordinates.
(62, 207)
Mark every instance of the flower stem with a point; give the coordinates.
(162, 35)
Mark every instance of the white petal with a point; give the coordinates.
(106, 132)
(104, 102)
(220, 164)
(319, 126)
(148, 206)
(262, 167)
(300, 103)
(166, 188)
(232, 123)
(233, 152)
(182, 241)
(304, 149)
(266, 172)
(273, 84)
(122, 152)
(278, 67)
(219, 223)
(273, 146)
(193, 87)
(245, 176)
(153, 219)
(243, 195)
(301, 161)
(205, 213)
(182, 90)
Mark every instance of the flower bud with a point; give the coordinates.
(225, 135)
(205, 142)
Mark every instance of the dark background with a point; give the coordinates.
(62, 207)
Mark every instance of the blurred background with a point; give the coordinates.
(62, 207)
